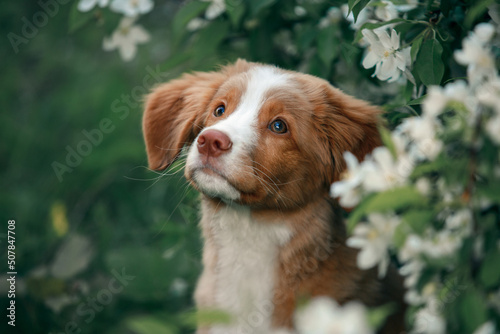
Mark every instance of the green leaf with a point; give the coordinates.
(306, 34)
(479, 8)
(417, 101)
(490, 190)
(355, 6)
(203, 317)
(187, 12)
(328, 45)
(349, 52)
(316, 67)
(378, 315)
(235, 10)
(387, 140)
(490, 270)
(78, 19)
(395, 199)
(358, 7)
(429, 65)
(152, 274)
(400, 234)
(415, 47)
(209, 38)
(257, 5)
(429, 167)
(358, 213)
(446, 6)
(149, 325)
(389, 200)
(418, 220)
(472, 310)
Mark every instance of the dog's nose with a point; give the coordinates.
(213, 143)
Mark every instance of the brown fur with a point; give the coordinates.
(297, 169)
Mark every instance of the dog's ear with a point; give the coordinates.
(174, 115)
(345, 124)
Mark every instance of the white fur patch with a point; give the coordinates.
(246, 265)
(240, 127)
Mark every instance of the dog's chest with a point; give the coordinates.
(247, 253)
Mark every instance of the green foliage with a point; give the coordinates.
(429, 65)
(356, 6)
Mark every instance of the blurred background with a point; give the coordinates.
(103, 245)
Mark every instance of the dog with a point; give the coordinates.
(263, 146)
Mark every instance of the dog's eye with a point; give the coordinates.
(219, 111)
(278, 126)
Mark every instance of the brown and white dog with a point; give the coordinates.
(263, 147)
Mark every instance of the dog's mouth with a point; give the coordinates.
(213, 183)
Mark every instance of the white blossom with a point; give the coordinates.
(422, 132)
(373, 239)
(428, 321)
(456, 94)
(348, 189)
(484, 32)
(216, 8)
(196, 24)
(378, 172)
(383, 172)
(423, 186)
(486, 328)
(488, 94)
(299, 11)
(439, 97)
(426, 297)
(87, 5)
(476, 55)
(132, 8)
(324, 316)
(409, 254)
(441, 244)
(179, 286)
(125, 38)
(386, 11)
(412, 248)
(411, 272)
(333, 16)
(460, 221)
(363, 16)
(493, 128)
(384, 53)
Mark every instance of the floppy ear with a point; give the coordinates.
(346, 124)
(174, 115)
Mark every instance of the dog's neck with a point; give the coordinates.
(320, 205)
(246, 248)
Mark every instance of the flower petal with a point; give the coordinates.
(86, 5)
(371, 59)
(138, 34)
(384, 38)
(127, 50)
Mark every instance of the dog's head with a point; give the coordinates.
(257, 135)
